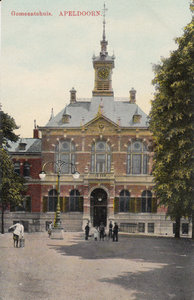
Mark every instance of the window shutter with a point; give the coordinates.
(45, 204)
(154, 205)
(28, 204)
(132, 205)
(138, 205)
(116, 205)
(66, 204)
(61, 204)
(81, 201)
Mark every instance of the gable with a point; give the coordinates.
(100, 124)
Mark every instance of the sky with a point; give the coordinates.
(43, 57)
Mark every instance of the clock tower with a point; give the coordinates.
(103, 65)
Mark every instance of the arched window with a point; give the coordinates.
(65, 151)
(137, 158)
(17, 167)
(26, 170)
(124, 199)
(101, 157)
(52, 200)
(146, 201)
(74, 200)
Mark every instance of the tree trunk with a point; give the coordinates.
(2, 220)
(192, 224)
(177, 227)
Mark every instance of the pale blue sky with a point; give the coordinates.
(44, 57)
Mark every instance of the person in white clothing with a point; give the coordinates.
(18, 233)
(95, 233)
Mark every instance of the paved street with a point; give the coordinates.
(134, 268)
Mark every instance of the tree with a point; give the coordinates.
(171, 122)
(7, 126)
(11, 185)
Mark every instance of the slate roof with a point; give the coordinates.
(83, 112)
(32, 146)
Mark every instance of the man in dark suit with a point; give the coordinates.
(115, 232)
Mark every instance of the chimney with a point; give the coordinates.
(35, 131)
(132, 97)
(72, 95)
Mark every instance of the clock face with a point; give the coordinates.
(103, 73)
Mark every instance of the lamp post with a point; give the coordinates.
(59, 164)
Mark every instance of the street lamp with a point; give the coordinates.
(59, 164)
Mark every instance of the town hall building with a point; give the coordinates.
(107, 140)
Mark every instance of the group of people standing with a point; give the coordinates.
(100, 234)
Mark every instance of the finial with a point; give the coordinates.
(99, 113)
(35, 124)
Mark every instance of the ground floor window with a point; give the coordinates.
(124, 199)
(185, 228)
(52, 200)
(128, 227)
(141, 227)
(151, 227)
(146, 201)
(74, 200)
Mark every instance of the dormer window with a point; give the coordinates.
(22, 146)
(66, 118)
(136, 119)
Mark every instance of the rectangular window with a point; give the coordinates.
(121, 200)
(136, 164)
(65, 167)
(145, 164)
(185, 228)
(151, 227)
(100, 163)
(128, 227)
(92, 163)
(108, 163)
(27, 204)
(128, 164)
(141, 227)
(143, 205)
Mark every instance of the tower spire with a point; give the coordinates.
(104, 22)
(104, 43)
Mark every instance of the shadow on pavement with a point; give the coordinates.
(174, 280)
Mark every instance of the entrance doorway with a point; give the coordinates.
(98, 206)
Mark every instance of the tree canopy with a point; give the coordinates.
(11, 184)
(7, 126)
(171, 122)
